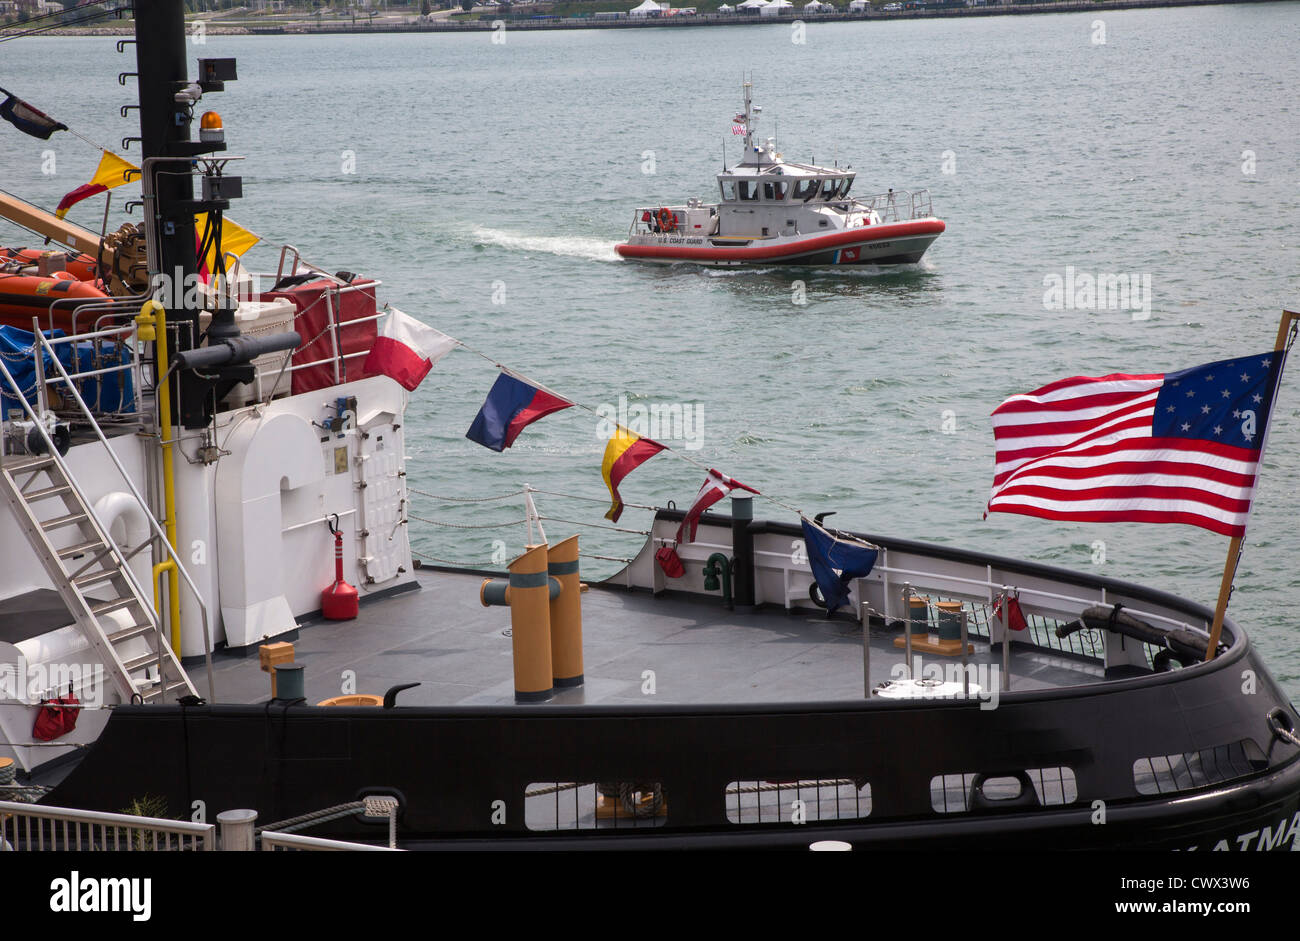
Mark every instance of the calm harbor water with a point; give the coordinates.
(486, 185)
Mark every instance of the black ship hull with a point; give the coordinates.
(461, 774)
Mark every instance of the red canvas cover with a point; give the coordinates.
(312, 320)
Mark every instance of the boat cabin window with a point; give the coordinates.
(748, 189)
(728, 191)
(829, 187)
(844, 189)
(775, 192)
(805, 189)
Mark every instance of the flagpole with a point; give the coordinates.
(1234, 545)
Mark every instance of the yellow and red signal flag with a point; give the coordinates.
(112, 171)
(625, 452)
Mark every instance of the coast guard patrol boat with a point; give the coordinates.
(777, 213)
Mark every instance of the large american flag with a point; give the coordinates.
(1182, 447)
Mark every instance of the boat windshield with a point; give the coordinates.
(748, 189)
(805, 189)
(775, 191)
(828, 188)
(728, 191)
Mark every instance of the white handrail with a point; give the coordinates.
(65, 829)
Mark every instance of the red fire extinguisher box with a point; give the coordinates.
(330, 317)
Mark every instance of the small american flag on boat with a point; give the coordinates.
(738, 124)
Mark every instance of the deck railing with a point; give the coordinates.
(915, 205)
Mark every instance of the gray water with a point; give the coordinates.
(506, 172)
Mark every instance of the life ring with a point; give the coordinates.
(667, 220)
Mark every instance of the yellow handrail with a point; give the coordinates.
(152, 322)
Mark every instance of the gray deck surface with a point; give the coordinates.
(443, 638)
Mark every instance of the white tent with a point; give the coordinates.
(726, 9)
(857, 6)
(776, 8)
(813, 6)
(752, 5)
(647, 8)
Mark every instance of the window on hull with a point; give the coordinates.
(796, 802)
(612, 805)
(1168, 774)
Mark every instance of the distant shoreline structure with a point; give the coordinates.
(488, 22)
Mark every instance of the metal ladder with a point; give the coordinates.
(92, 565)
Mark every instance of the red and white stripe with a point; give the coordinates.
(1082, 449)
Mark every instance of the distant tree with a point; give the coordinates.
(425, 8)
(467, 5)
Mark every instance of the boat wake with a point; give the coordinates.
(573, 246)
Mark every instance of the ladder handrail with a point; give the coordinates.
(153, 522)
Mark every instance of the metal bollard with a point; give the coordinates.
(566, 614)
(529, 592)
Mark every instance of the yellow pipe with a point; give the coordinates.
(167, 566)
(152, 326)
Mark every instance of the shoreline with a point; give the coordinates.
(675, 22)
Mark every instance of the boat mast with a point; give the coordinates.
(749, 122)
(1281, 346)
(165, 136)
(167, 104)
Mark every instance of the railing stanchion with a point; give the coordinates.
(866, 652)
(1005, 618)
(907, 626)
(965, 673)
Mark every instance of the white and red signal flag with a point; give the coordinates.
(406, 350)
(1179, 447)
(716, 486)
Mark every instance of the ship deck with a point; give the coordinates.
(698, 651)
